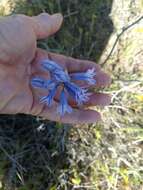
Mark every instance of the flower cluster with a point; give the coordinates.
(59, 77)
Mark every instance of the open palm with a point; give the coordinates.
(19, 62)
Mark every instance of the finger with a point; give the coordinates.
(72, 64)
(45, 25)
(96, 99)
(102, 79)
(75, 65)
(76, 117)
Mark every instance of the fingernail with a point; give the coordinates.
(58, 16)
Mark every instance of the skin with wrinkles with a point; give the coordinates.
(19, 62)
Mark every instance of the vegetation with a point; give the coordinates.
(39, 155)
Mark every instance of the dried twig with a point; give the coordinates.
(119, 36)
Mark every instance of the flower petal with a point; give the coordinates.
(60, 76)
(63, 106)
(87, 76)
(48, 99)
(79, 94)
(38, 82)
(50, 65)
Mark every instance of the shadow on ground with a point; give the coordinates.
(33, 151)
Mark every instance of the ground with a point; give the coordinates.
(40, 155)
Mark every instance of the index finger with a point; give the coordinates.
(74, 65)
(78, 65)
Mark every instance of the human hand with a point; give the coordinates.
(19, 62)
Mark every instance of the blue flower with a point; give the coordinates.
(60, 76)
(38, 82)
(63, 106)
(79, 94)
(57, 72)
(50, 65)
(87, 76)
(49, 99)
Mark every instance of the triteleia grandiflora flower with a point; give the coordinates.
(60, 77)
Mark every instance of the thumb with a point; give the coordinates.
(45, 25)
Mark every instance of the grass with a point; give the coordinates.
(40, 155)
